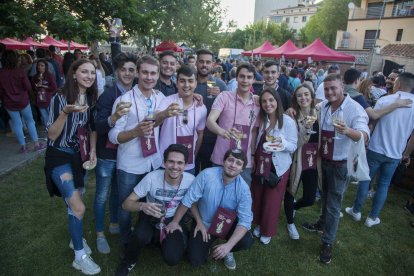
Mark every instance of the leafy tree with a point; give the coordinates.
(331, 17)
(17, 20)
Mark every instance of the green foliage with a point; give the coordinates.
(331, 17)
(17, 20)
(34, 237)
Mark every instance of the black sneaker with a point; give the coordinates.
(124, 269)
(315, 227)
(326, 253)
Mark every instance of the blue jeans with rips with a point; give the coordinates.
(106, 183)
(334, 184)
(67, 188)
(126, 183)
(386, 166)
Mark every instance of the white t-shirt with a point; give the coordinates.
(393, 130)
(152, 187)
(320, 93)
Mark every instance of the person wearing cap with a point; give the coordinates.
(168, 63)
(221, 204)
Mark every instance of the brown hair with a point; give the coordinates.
(279, 109)
(365, 88)
(71, 90)
(148, 60)
(294, 103)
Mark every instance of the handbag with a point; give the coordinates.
(272, 180)
(357, 164)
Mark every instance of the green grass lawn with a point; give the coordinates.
(34, 239)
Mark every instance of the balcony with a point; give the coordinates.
(358, 13)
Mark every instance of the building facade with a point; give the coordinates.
(376, 24)
(262, 8)
(295, 17)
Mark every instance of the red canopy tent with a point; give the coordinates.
(317, 50)
(51, 41)
(266, 46)
(75, 45)
(36, 44)
(13, 44)
(168, 45)
(286, 48)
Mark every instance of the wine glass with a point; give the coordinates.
(211, 84)
(213, 267)
(81, 100)
(163, 211)
(126, 101)
(238, 136)
(311, 118)
(337, 119)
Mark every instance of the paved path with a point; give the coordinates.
(11, 158)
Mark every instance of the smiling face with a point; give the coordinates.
(268, 103)
(232, 166)
(186, 85)
(168, 66)
(127, 73)
(204, 65)
(147, 77)
(245, 80)
(85, 76)
(334, 91)
(174, 166)
(303, 97)
(270, 75)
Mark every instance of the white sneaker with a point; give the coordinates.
(369, 222)
(256, 231)
(293, 232)
(355, 216)
(265, 240)
(229, 261)
(88, 250)
(86, 265)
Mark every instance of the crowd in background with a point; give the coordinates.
(68, 95)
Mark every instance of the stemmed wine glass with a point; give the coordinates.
(337, 119)
(311, 118)
(238, 132)
(211, 84)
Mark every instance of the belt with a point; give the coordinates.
(334, 162)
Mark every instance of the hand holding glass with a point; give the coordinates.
(311, 119)
(337, 120)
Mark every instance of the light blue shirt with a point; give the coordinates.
(207, 189)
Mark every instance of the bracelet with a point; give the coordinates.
(65, 112)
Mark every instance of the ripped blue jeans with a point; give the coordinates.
(67, 188)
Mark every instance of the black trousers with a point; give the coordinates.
(172, 248)
(198, 250)
(310, 183)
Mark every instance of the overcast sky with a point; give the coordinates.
(241, 11)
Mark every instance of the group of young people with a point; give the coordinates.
(174, 146)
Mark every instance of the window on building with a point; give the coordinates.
(288, 20)
(402, 8)
(399, 35)
(369, 39)
(375, 10)
(295, 19)
(304, 18)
